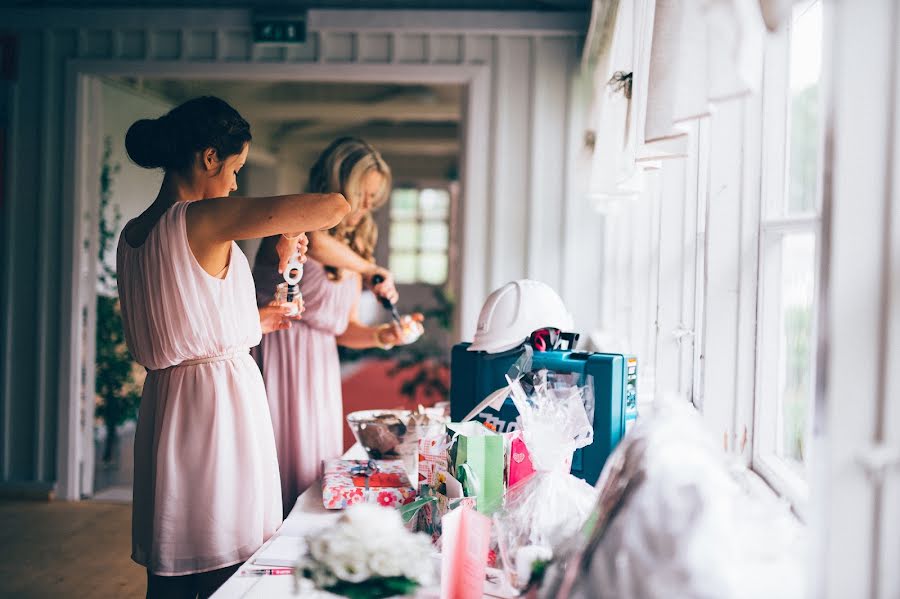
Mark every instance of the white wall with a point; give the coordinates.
(133, 187)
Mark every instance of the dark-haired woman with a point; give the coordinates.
(206, 483)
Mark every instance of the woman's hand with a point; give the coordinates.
(277, 317)
(385, 288)
(288, 246)
(405, 333)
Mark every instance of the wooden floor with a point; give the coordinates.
(67, 549)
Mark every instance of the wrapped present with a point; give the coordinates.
(384, 482)
(432, 457)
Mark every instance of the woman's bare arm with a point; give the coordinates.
(222, 220)
(326, 249)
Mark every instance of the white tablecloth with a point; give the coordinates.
(308, 515)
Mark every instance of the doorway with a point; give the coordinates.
(419, 127)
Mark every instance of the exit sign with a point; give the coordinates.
(279, 29)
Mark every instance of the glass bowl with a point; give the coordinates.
(393, 434)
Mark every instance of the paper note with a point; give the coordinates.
(283, 551)
(465, 542)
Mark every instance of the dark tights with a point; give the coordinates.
(190, 586)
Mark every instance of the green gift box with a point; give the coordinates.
(476, 459)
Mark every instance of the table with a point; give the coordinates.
(307, 515)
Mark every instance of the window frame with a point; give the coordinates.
(419, 185)
(775, 225)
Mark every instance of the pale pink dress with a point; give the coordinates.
(206, 489)
(302, 373)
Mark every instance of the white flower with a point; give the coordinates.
(369, 541)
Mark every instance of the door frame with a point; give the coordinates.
(78, 305)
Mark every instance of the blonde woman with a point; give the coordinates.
(300, 365)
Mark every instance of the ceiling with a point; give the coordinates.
(407, 123)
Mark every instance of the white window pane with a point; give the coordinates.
(805, 108)
(403, 203)
(434, 203)
(404, 235)
(403, 266)
(433, 268)
(435, 236)
(795, 352)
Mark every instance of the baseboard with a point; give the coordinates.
(28, 490)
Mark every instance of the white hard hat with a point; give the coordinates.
(510, 314)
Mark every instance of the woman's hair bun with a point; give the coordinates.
(172, 141)
(149, 143)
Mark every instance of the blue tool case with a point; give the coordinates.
(475, 375)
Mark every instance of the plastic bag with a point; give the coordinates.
(551, 505)
(672, 520)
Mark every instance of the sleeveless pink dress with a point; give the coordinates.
(206, 489)
(302, 372)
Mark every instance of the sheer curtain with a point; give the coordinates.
(683, 56)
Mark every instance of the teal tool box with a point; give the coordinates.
(475, 375)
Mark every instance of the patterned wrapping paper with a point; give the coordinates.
(344, 483)
(432, 458)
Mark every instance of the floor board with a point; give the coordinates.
(67, 549)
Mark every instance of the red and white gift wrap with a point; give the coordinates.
(346, 482)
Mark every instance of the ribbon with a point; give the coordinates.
(366, 469)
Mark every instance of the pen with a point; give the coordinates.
(267, 571)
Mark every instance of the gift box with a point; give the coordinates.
(384, 482)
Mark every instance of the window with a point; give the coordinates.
(419, 237)
(789, 240)
(724, 244)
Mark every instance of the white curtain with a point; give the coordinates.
(684, 56)
(702, 52)
(775, 13)
(614, 175)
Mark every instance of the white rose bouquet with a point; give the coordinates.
(368, 553)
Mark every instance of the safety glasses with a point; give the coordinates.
(551, 338)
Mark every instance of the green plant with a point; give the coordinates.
(118, 393)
